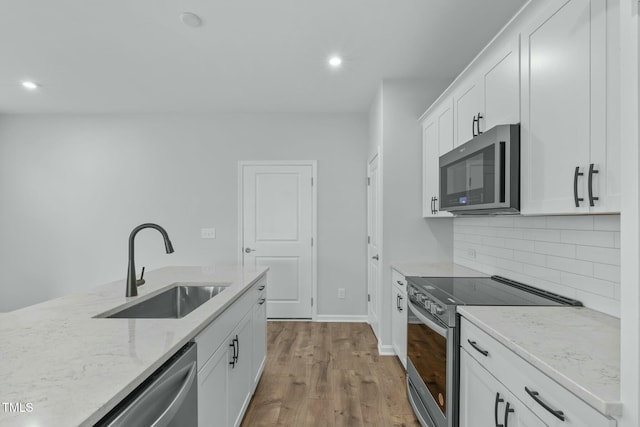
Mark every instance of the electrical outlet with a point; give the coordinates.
(471, 253)
(341, 293)
(208, 233)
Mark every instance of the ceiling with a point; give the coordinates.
(130, 56)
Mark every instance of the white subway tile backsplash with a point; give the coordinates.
(571, 265)
(530, 258)
(575, 256)
(596, 254)
(607, 272)
(589, 284)
(558, 249)
(519, 244)
(606, 222)
(588, 238)
(570, 222)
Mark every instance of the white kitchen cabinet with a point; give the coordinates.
(259, 325)
(490, 93)
(524, 384)
(399, 316)
(240, 372)
(484, 401)
(565, 61)
(231, 354)
(437, 139)
(468, 103)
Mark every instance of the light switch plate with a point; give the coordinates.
(208, 233)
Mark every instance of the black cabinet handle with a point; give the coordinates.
(234, 358)
(400, 303)
(507, 411)
(591, 172)
(261, 288)
(431, 205)
(261, 301)
(238, 347)
(499, 400)
(535, 395)
(435, 210)
(576, 174)
(485, 353)
(399, 282)
(473, 126)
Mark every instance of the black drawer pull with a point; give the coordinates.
(261, 288)
(576, 199)
(399, 283)
(507, 411)
(261, 301)
(591, 172)
(534, 394)
(485, 353)
(499, 400)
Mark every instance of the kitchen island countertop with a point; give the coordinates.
(71, 368)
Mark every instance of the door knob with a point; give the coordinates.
(376, 257)
(248, 250)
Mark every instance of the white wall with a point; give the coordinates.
(574, 256)
(73, 187)
(406, 236)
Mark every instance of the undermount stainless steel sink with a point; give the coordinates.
(174, 303)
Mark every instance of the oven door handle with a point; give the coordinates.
(433, 324)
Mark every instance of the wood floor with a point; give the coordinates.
(328, 374)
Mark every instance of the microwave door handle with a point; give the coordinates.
(435, 325)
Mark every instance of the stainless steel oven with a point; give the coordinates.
(430, 370)
(483, 174)
(433, 336)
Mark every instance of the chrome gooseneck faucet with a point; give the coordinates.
(132, 283)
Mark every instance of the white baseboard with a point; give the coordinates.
(386, 350)
(341, 318)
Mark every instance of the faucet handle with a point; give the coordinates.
(141, 281)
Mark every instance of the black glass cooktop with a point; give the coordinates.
(493, 290)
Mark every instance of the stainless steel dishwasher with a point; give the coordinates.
(168, 398)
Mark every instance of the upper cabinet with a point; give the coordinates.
(490, 94)
(437, 139)
(553, 69)
(569, 165)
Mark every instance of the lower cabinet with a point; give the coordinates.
(484, 401)
(399, 316)
(492, 377)
(231, 354)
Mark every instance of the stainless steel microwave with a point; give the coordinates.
(482, 176)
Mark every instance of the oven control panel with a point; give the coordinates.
(425, 301)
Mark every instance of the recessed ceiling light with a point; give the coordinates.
(191, 19)
(28, 84)
(335, 61)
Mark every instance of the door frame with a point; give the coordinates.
(314, 217)
(377, 302)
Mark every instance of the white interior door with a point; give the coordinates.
(278, 230)
(373, 264)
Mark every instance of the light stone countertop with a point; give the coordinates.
(74, 368)
(434, 269)
(577, 347)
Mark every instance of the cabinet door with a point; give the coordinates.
(213, 383)
(399, 324)
(430, 168)
(484, 401)
(556, 107)
(259, 325)
(502, 86)
(437, 139)
(468, 102)
(240, 372)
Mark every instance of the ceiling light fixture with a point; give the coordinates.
(29, 85)
(335, 61)
(191, 19)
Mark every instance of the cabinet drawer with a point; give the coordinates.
(398, 279)
(516, 374)
(213, 335)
